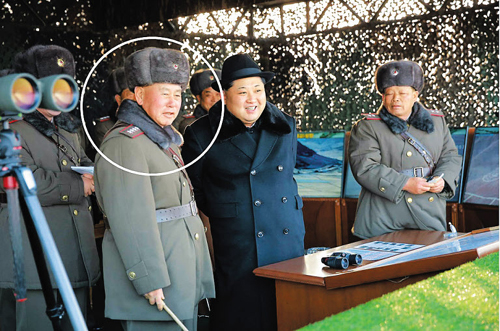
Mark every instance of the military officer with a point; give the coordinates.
(50, 146)
(200, 85)
(154, 248)
(245, 185)
(394, 153)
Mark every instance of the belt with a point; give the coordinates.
(417, 172)
(174, 213)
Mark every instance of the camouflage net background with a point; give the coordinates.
(324, 53)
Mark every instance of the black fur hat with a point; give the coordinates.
(156, 65)
(399, 73)
(45, 60)
(202, 79)
(240, 66)
(117, 80)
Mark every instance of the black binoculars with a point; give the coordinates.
(341, 260)
(23, 93)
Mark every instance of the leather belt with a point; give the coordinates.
(417, 172)
(174, 213)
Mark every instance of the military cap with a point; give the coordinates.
(202, 79)
(45, 60)
(399, 73)
(117, 80)
(240, 66)
(156, 65)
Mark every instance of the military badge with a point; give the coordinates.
(395, 72)
(60, 62)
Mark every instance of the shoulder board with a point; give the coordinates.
(13, 121)
(371, 116)
(103, 119)
(188, 116)
(435, 112)
(131, 131)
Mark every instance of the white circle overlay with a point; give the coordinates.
(183, 45)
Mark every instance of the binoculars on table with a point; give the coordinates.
(341, 260)
(23, 93)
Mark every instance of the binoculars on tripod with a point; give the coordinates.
(23, 93)
(341, 260)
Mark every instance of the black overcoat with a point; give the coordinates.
(248, 191)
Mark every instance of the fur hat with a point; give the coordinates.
(117, 80)
(399, 73)
(240, 66)
(45, 60)
(156, 65)
(203, 79)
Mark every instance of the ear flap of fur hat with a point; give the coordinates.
(399, 73)
(156, 65)
(45, 60)
(202, 79)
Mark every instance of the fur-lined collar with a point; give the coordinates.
(199, 111)
(130, 112)
(420, 118)
(272, 119)
(65, 121)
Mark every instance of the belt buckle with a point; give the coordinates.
(415, 170)
(192, 205)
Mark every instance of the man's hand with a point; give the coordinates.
(88, 184)
(156, 297)
(418, 185)
(438, 186)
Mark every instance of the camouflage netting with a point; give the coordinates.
(325, 79)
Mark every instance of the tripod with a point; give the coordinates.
(17, 177)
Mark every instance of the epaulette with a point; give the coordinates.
(101, 119)
(435, 112)
(188, 116)
(131, 131)
(371, 116)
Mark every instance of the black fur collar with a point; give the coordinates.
(272, 119)
(199, 111)
(130, 112)
(65, 121)
(419, 118)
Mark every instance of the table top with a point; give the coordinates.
(438, 253)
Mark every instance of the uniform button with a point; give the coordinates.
(382, 189)
(64, 162)
(253, 172)
(131, 275)
(75, 212)
(260, 234)
(205, 228)
(90, 208)
(284, 199)
(257, 203)
(431, 199)
(64, 198)
(410, 200)
(286, 231)
(183, 184)
(409, 153)
(196, 236)
(280, 168)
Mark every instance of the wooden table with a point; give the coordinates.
(308, 291)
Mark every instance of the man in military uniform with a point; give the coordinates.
(154, 245)
(50, 147)
(395, 152)
(118, 85)
(245, 185)
(200, 85)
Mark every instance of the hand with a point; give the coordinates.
(88, 184)
(417, 185)
(156, 297)
(438, 186)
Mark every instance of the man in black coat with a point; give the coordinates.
(245, 185)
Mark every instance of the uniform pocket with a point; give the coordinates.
(224, 210)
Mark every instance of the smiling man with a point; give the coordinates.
(153, 247)
(398, 156)
(245, 185)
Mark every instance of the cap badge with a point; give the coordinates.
(175, 66)
(211, 77)
(395, 72)
(60, 62)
